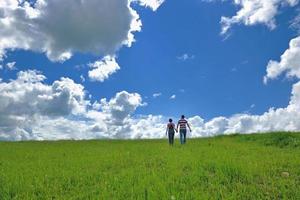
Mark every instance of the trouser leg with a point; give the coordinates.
(171, 138)
(181, 137)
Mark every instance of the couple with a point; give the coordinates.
(182, 124)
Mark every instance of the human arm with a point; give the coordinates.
(176, 129)
(167, 130)
(189, 126)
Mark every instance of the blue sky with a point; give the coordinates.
(222, 75)
(223, 78)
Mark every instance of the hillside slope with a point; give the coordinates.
(259, 166)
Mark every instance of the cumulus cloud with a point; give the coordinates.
(82, 78)
(31, 109)
(185, 57)
(121, 106)
(153, 4)
(173, 96)
(113, 118)
(254, 12)
(295, 23)
(155, 95)
(26, 102)
(289, 62)
(275, 119)
(102, 69)
(61, 28)
(280, 119)
(11, 65)
(28, 96)
(149, 126)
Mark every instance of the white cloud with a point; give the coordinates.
(153, 4)
(155, 95)
(102, 69)
(113, 118)
(82, 78)
(30, 76)
(254, 12)
(119, 108)
(185, 57)
(286, 119)
(295, 23)
(28, 96)
(61, 28)
(289, 62)
(150, 126)
(173, 96)
(281, 119)
(26, 104)
(31, 109)
(11, 65)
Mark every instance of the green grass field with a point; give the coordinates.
(260, 166)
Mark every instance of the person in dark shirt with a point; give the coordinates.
(183, 124)
(171, 131)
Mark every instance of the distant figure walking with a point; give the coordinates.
(171, 131)
(182, 124)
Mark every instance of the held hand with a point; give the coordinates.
(190, 130)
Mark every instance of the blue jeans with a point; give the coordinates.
(171, 137)
(182, 136)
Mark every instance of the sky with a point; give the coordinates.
(121, 68)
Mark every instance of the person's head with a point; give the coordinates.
(182, 116)
(170, 120)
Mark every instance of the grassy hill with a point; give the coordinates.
(259, 166)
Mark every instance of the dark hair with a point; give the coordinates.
(182, 116)
(170, 120)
